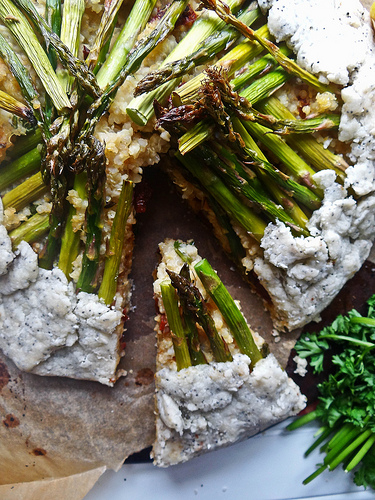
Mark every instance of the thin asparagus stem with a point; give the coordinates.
(71, 240)
(289, 65)
(206, 51)
(76, 67)
(111, 8)
(70, 35)
(141, 108)
(10, 104)
(320, 157)
(108, 286)
(19, 168)
(191, 332)
(301, 193)
(228, 308)
(18, 25)
(133, 62)
(257, 91)
(24, 194)
(232, 61)
(180, 346)
(244, 215)
(53, 18)
(238, 181)
(134, 25)
(198, 307)
(31, 230)
(24, 143)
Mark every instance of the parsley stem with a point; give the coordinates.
(340, 445)
(353, 340)
(363, 321)
(325, 432)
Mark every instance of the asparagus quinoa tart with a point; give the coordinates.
(262, 114)
(215, 381)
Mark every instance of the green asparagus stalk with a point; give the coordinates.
(260, 89)
(289, 65)
(102, 37)
(71, 240)
(10, 104)
(228, 308)
(77, 68)
(18, 25)
(70, 35)
(206, 51)
(108, 286)
(53, 18)
(24, 144)
(198, 307)
(87, 281)
(320, 157)
(238, 211)
(25, 193)
(31, 230)
(19, 168)
(232, 61)
(140, 109)
(303, 194)
(191, 332)
(238, 181)
(133, 62)
(175, 324)
(134, 25)
(262, 65)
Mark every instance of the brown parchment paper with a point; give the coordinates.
(57, 436)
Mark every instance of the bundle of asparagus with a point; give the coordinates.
(67, 181)
(268, 150)
(216, 382)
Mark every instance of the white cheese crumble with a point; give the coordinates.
(46, 328)
(302, 275)
(210, 406)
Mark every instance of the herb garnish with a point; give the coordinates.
(347, 398)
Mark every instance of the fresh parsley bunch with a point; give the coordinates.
(347, 398)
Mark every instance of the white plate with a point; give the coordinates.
(269, 466)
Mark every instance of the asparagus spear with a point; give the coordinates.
(19, 168)
(134, 25)
(175, 324)
(198, 307)
(228, 308)
(70, 30)
(206, 51)
(140, 109)
(10, 104)
(232, 61)
(191, 332)
(24, 144)
(30, 230)
(17, 23)
(71, 240)
(238, 211)
(25, 193)
(108, 286)
(224, 13)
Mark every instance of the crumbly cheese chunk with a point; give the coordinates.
(302, 275)
(209, 406)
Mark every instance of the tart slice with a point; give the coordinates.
(216, 382)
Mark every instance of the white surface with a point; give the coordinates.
(269, 466)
